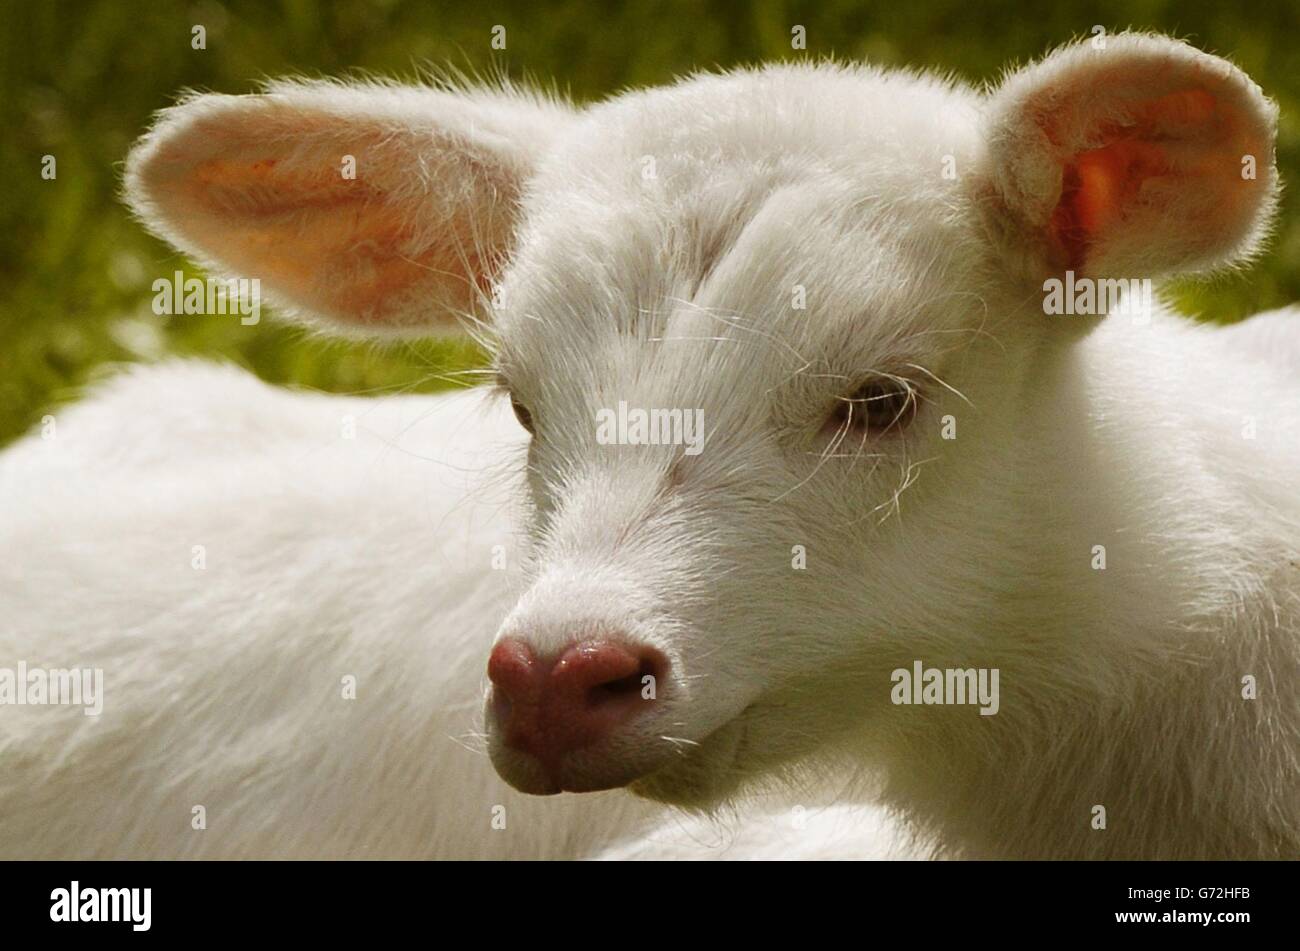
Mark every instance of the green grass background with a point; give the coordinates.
(80, 81)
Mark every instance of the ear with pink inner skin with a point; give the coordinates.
(361, 208)
(1143, 158)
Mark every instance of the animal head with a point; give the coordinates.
(735, 315)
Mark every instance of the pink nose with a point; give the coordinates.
(550, 709)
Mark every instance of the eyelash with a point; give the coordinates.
(522, 412)
(878, 407)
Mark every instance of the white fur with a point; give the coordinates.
(371, 557)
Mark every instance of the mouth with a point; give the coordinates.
(692, 775)
(576, 775)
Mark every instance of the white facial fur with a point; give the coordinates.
(679, 291)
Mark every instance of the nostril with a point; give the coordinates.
(641, 684)
(514, 672)
(614, 689)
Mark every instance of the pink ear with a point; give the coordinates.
(1138, 159)
(369, 209)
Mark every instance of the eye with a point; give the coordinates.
(875, 408)
(521, 413)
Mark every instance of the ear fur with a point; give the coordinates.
(363, 208)
(1141, 158)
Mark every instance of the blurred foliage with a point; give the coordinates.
(81, 80)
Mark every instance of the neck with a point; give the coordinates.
(1144, 585)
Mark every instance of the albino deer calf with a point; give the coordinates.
(802, 433)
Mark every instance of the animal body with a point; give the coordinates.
(906, 458)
